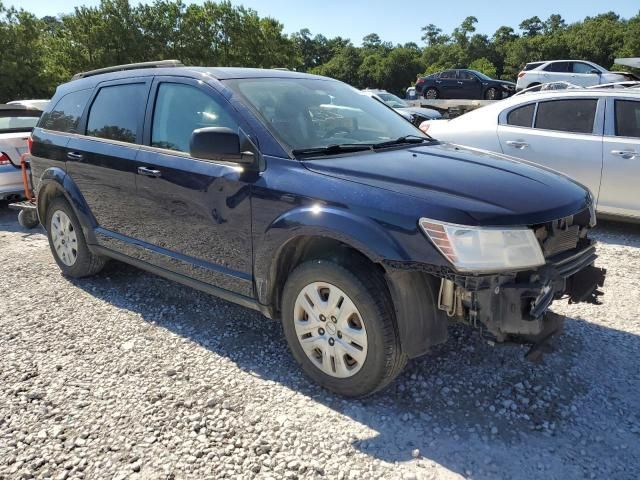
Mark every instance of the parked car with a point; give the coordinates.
(37, 104)
(296, 196)
(461, 84)
(577, 72)
(589, 134)
(415, 115)
(410, 94)
(16, 122)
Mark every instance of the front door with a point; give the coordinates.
(470, 85)
(102, 162)
(197, 213)
(621, 151)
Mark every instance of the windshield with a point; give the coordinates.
(312, 113)
(393, 101)
(481, 75)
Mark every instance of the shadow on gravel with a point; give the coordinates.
(464, 400)
(618, 233)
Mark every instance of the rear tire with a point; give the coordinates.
(431, 94)
(67, 242)
(362, 323)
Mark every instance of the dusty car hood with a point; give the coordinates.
(455, 183)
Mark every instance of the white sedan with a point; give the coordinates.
(591, 135)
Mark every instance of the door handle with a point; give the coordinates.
(148, 172)
(624, 153)
(517, 144)
(74, 156)
(459, 83)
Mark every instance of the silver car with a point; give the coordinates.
(415, 115)
(16, 123)
(591, 135)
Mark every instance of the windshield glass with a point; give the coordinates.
(481, 75)
(311, 113)
(393, 101)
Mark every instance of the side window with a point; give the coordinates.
(580, 67)
(627, 118)
(179, 110)
(65, 116)
(448, 75)
(466, 75)
(522, 116)
(560, 67)
(574, 116)
(115, 112)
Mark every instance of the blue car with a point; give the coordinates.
(463, 84)
(297, 196)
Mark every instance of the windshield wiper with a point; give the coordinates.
(402, 140)
(332, 149)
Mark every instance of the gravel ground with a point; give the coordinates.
(127, 375)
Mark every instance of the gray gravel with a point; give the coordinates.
(127, 375)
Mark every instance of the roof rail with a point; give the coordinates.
(129, 66)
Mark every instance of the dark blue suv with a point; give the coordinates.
(300, 197)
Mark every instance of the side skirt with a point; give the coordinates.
(189, 282)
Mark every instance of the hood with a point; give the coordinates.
(423, 112)
(459, 185)
(506, 83)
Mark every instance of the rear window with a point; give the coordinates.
(65, 116)
(18, 120)
(561, 67)
(627, 118)
(116, 112)
(575, 115)
(522, 116)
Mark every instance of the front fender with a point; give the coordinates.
(54, 181)
(360, 233)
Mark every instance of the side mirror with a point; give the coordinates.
(597, 72)
(219, 143)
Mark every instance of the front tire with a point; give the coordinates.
(491, 94)
(67, 242)
(340, 327)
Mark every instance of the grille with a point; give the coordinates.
(561, 241)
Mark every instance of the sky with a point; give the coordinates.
(394, 21)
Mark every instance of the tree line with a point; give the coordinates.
(40, 53)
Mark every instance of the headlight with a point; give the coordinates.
(485, 249)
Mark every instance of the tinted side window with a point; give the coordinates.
(562, 67)
(180, 109)
(449, 74)
(627, 118)
(522, 116)
(466, 75)
(531, 66)
(65, 116)
(115, 112)
(574, 116)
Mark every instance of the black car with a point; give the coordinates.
(463, 84)
(297, 196)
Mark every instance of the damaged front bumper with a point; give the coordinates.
(514, 306)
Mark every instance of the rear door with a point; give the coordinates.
(564, 134)
(557, 71)
(621, 150)
(196, 213)
(447, 84)
(102, 162)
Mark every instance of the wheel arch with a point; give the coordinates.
(56, 183)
